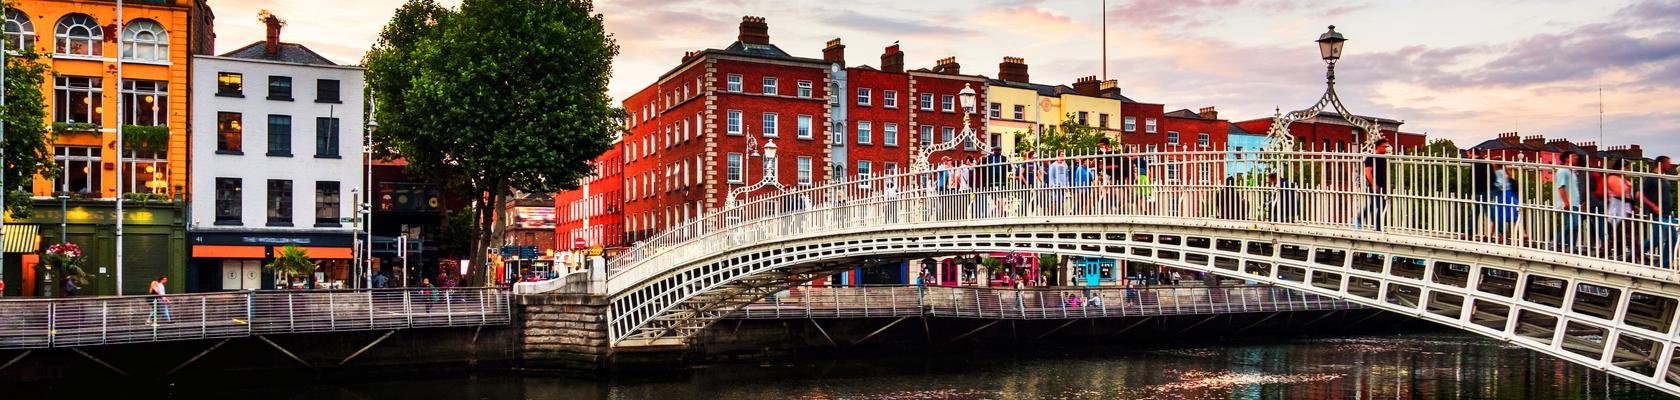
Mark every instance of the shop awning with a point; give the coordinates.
(217, 251)
(22, 238)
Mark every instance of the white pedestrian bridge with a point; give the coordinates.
(1478, 245)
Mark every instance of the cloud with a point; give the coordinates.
(873, 22)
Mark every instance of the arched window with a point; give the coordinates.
(145, 40)
(20, 31)
(78, 34)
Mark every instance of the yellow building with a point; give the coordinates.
(87, 102)
(1019, 109)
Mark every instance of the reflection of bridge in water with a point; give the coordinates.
(1590, 285)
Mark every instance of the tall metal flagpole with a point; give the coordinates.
(120, 27)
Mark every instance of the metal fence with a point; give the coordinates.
(43, 323)
(1610, 213)
(993, 303)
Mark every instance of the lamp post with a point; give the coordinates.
(1278, 137)
(63, 218)
(968, 97)
(366, 207)
(768, 178)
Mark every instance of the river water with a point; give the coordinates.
(1410, 366)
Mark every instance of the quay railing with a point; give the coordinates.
(1611, 213)
(93, 321)
(1033, 303)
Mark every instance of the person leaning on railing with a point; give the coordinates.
(1663, 191)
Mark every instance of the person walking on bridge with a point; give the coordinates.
(159, 288)
(1376, 178)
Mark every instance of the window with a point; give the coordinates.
(838, 132)
(78, 99)
(804, 127)
(733, 124)
(326, 91)
(20, 31)
(770, 85)
(145, 40)
(230, 84)
(79, 170)
(1102, 120)
(280, 88)
(771, 121)
(326, 137)
(733, 83)
(1020, 112)
(1202, 139)
(1129, 124)
(733, 170)
(948, 103)
(996, 110)
(889, 98)
(280, 135)
(863, 132)
(889, 134)
(144, 171)
(804, 170)
(927, 135)
(863, 170)
(279, 202)
(1149, 125)
(145, 103)
(863, 96)
(926, 103)
(968, 144)
(889, 167)
(947, 134)
(804, 89)
(79, 35)
(1084, 118)
(326, 203)
(229, 133)
(228, 201)
(1172, 137)
(839, 172)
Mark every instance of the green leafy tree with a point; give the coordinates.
(496, 96)
(291, 262)
(1070, 136)
(27, 145)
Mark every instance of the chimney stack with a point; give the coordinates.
(1087, 85)
(1509, 138)
(754, 30)
(1534, 141)
(1208, 113)
(947, 65)
(1013, 69)
(892, 60)
(1109, 86)
(1590, 147)
(835, 52)
(272, 47)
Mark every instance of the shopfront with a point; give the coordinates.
(223, 261)
(153, 245)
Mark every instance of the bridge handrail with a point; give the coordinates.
(1031, 303)
(549, 285)
(1433, 196)
(90, 321)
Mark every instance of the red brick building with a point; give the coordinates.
(594, 212)
(891, 113)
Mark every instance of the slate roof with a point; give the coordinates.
(1237, 130)
(1184, 113)
(289, 53)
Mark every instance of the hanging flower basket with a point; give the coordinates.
(67, 257)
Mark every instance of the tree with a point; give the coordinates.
(496, 96)
(291, 262)
(27, 146)
(1070, 136)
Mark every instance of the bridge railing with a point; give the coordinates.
(44, 323)
(1038, 303)
(1620, 216)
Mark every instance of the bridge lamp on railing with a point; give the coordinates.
(1278, 137)
(968, 97)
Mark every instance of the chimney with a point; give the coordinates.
(1109, 86)
(1087, 85)
(1509, 138)
(835, 52)
(272, 47)
(892, 60)
(1208, 113)
(1590, 147)
(1534, 141)
(947, 65)
(754, 30)
(1013, 69)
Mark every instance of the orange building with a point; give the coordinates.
(86, 46)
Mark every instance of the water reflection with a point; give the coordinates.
(1429, 366)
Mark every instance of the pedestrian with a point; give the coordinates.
(380, 280)
(1566, 196)
(70, 286)
(428, 293)
(966, 187)
(1375, 169)
(890, 194)
(1056, 177)
(1082, 187)
(1286, 203)
(160, 303)
(1481, 184)
(1661, 189)
(1506, 188)
(1175, 278)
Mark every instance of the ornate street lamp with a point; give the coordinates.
(765, 180)
(1330, 48)
(968, 97)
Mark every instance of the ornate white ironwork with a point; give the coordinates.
(1278, 137)
(923, 162)
(769, 177)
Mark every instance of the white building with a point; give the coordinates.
(276, 158)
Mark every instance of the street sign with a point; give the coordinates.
(579, 243)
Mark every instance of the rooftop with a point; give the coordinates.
(289, 53)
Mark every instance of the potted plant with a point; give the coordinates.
(292, 261)
(67, 259)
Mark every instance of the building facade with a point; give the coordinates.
(88, 102)
(277, 160)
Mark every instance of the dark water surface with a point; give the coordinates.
(1411, 366)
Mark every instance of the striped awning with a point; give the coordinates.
(22, 238)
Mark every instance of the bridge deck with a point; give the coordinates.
(1025, 304)
(45, 323)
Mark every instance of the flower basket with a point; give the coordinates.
(67, 257)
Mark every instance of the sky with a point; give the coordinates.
(1462, 70)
